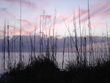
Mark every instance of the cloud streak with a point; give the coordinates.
(100, 11)
(24, 22)
(24, 3)
(96, 24)
(4, 11)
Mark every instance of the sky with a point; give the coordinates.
(57, 15)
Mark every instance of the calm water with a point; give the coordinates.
(67, 57)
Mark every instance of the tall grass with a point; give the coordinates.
(20, 39)
(48, 44)
(63, 53)
(84, 47)
(4, 44)
(8, 46)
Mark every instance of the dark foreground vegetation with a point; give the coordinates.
(43, 70)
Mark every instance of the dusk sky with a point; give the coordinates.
(57, 13)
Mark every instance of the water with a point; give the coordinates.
(67, 57)
(15, 59)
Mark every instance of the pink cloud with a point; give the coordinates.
(58, 23)
(17, 32)
(64, 17)
(57, 26)
(96, 24)
(25, 24)
(46, 17)
(59, 19)
(24, 21)
(28, 26)
(98, 11)
(33, 28)
(24, 3)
